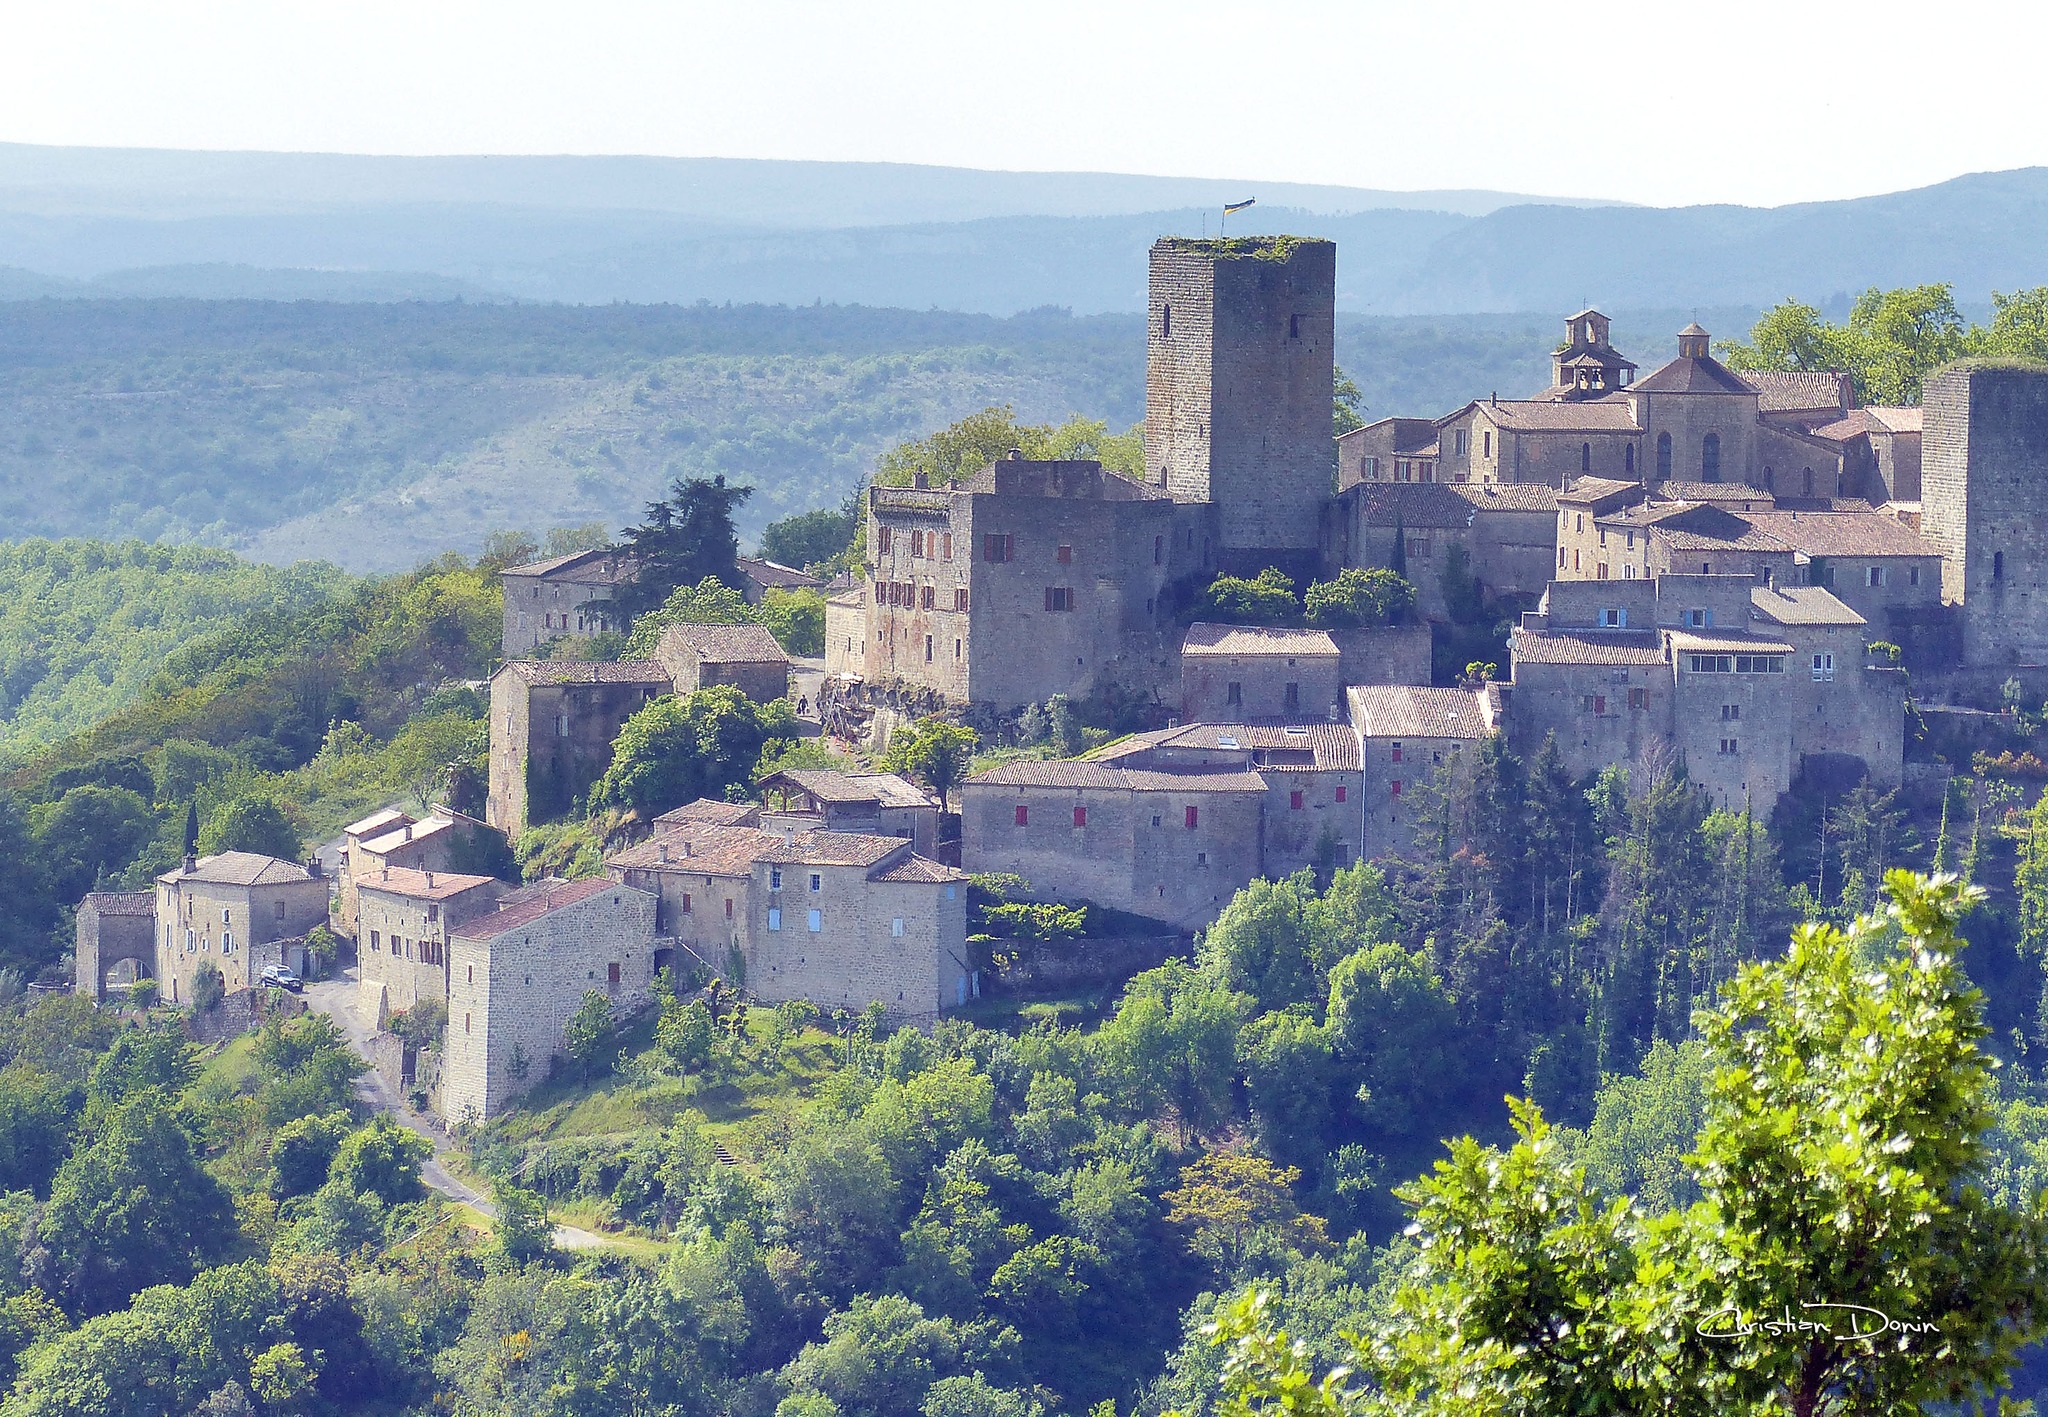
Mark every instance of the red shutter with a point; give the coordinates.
(1023, 816)
(1193, 817)
(1294, 801)
(1080, 816)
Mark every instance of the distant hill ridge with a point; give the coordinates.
(591, 230)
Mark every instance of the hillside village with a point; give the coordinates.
(1744, 574)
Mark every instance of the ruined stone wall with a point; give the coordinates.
(1984, 481)
(551, 742)
(846, 634)
(510, 997)
(1385, 654)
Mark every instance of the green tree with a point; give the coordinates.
(592, 1033)
(1359, 597)
(130, 1208)
(706, 602)
(36, 1113)
(682, 747)
(808, 538)
(1237, 1206)
(1173, 1041)
(1266, 944)
(1290, 1074)
(2019, 326)
(934, 750)
(382, 1159)
(89, 833)
(683, 1035)
(522, 1229)
(796, 618)
(429, 748)
(962, 449)
(1392, 1022)
(1347, 404)
(208, 987)
(251, 823)
(687, 537)
(1266, 599)
(302, 1151)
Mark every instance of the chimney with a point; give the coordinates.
(313, 866)
(191, 863)
(686, 850)
(430, 880)
(408, 832)
(661, 853)
(1014, 455)
(921, 481)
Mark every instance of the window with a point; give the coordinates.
(817, 882)
(728, 910)
(280, 910)
(1295, 801)
(1615, 618)
(927, 649)
(1395, 757)
(1729, 747)
(1059, 598)
(1342, 792)
(928, 597)
(882, 540)
(1730, 712)
(1599, 704)
(1638, 698)
(1806, 480)
(1394, 788)
(1998, 565)
(465, 1023)
(1488, 442)
(611, 974)
(1292, 696)
(1699, 619)
(1824, 669)
(774, 878)
(1294, 327)
(896, 927)
(1234, 695)
(774, 917)
(468, 977)
(1873, 575)
(1023, 815)
(1912, 575)
(916, 545)
(1156, 819)
(1080, 816)
(946, 547)
(1710, 458)
(561, 725)
(375, 943)
(996, 546)
(1372, 469)
(1664, 456)
(1585, 457)
(1628, 459)
(815, 921)
(227, 942)
(1065, 555)
(1166, 322)
(687, 905)
(1461, 442)
(960, 597)
(1194, 818)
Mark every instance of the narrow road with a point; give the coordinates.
(336, 998)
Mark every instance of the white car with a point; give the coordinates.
(282, 977)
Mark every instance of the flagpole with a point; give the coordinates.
(1223, 228)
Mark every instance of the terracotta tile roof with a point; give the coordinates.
(1725, 642)
(406, 835)
(1507, 496)
(773, 574)
(414, 885)
(1082, 773)
(1593, 491)
(240, 868)
(884, 789)
(1897, 420)
(1714, 492)
(1608, 414)
(603, 566)
(524, 906)
(1843, 533)
(1802, 605)
(121, 902)
(1706, 375)
(1420, 505)
(1854, 424)
(376, 822)
(1621, 647)
(733, 851)
(1708, 528)
(724, 644)
(849, 599)
(1413, 711)
(1203, 638)
(1792, 391)
(587, 671)
(917, 870)
(712, 813)
(1332, 746)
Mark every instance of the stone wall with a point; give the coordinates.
(402, 951)
(1984, 481)
(237, 928)
(1032, 968)
(841, 940)
(538, 609)
(1237, 688)
(551, 742)
(114, 926)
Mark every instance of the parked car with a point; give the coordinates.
(282, 977)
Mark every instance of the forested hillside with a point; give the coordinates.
(84, 624)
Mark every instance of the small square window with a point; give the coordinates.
(1066, 556)
(1193, 818)
(1080, 816)
(817, 882)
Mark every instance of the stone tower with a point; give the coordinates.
(1238, 383)
(1984, 482)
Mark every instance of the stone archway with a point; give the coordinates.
(115, 928)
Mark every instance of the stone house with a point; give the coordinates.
(1738, 681)
(1390, 450)
(1507, 532)
(842, 919)
(744, 656)
(1880, 452)
(1405, 734)
(562, 596)
(552, 726)
(1172, 846)
(846, 633)
(864, 803)
(516, 975)
(114, 928)
(1233, 673)
(762, 575)
(406, 917)
(1028, 580)
(236, 910)
(1311, 816)
(444, 840)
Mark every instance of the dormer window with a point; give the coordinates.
(1614, 618)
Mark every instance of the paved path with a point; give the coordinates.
(336, 998)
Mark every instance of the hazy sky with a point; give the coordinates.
(1651, 102)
